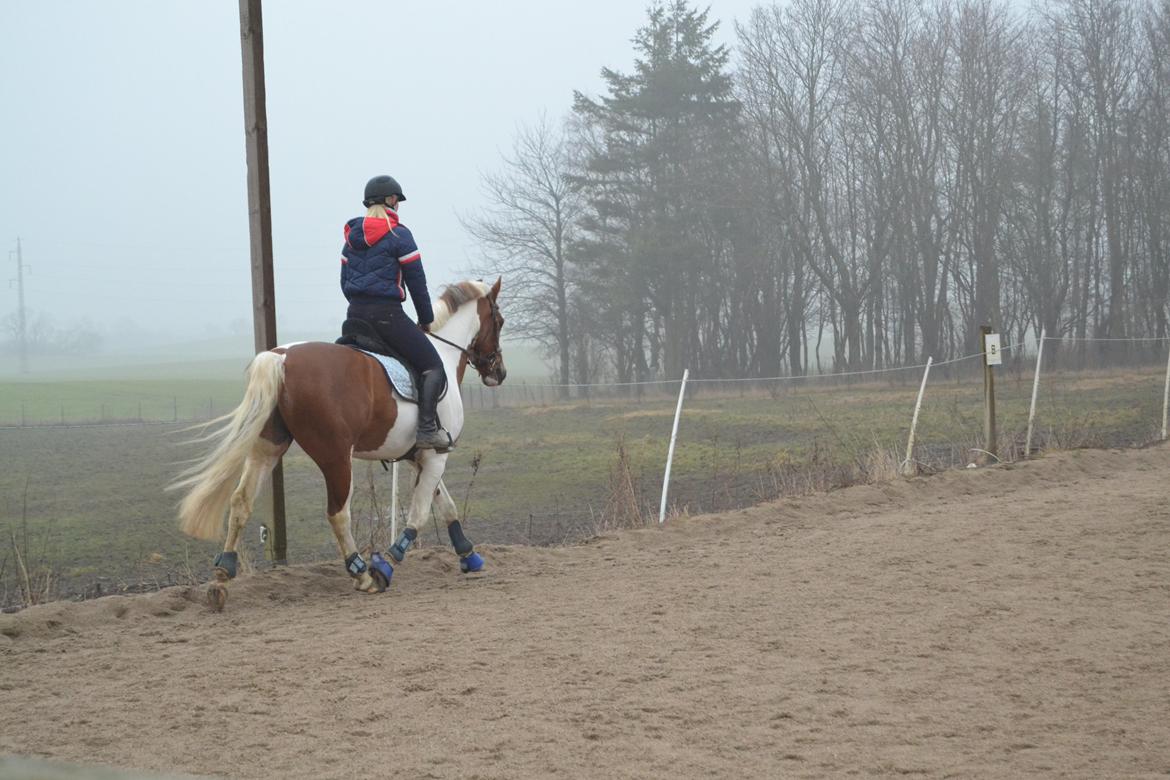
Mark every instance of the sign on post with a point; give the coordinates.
(994, 356)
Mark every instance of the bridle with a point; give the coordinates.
(484, 362)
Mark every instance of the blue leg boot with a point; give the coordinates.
(469, 560)
(227, 562)
(405, 539)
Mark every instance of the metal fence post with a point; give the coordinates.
(394, 502)
(910, 466)
(670, 452)
(1036, 389)
(1166, 396)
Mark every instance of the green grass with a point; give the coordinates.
(97, 400)
(96, 509)
(164, 390)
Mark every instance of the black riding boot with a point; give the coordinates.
(430, 435)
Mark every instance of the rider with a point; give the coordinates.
(379, 254)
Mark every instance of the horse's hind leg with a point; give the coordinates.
(339, 487)
(469, 559)
(257, 466)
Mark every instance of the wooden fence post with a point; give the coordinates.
(990, 434)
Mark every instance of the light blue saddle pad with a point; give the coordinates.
(398, 375)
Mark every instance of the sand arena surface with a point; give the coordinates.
(1004, 622)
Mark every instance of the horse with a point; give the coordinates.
(337, 404)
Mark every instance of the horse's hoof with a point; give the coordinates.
(216, 596)
(365, 583)
(381, 571)
(471, 563)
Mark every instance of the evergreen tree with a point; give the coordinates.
(654, 168)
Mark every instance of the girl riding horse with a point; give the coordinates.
(337, 404)
(379, 254)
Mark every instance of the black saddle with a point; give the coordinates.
(361, 334)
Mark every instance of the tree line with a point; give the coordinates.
(855, 184)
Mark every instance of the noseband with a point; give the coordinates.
(484, 362)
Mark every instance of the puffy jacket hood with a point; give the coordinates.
(364, 232)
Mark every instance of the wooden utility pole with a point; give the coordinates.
(260, 223)
(21, 320)
(989, 432)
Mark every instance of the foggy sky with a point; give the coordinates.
(123, 164)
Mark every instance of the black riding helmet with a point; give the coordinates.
(381, 187)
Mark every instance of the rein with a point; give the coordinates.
(475, 358)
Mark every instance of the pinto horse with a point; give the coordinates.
(335, 402)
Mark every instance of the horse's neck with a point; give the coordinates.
(462, 326)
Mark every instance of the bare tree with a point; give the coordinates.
(525, 235)
(895, 173)
(1102, 67)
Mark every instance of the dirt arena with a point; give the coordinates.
(1004, 622)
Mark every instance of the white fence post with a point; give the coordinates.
(393, 502)
(1166, 397)
(909, 467)
(670, 452)
(1035, 390)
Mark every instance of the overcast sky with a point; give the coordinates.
(123, 164)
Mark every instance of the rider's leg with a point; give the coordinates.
(409, 340)
(430, 435)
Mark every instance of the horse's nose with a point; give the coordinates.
(503, 373)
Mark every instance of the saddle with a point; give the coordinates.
(402, 376)
(361, 334)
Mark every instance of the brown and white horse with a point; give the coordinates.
(336, 404)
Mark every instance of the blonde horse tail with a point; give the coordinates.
(212, 480)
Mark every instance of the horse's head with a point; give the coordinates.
(484, 352)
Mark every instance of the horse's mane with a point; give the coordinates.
(455, 295)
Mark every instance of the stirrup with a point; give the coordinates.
(441, 441)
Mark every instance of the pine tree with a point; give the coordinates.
(654, 170)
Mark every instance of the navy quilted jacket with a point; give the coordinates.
(378, 257)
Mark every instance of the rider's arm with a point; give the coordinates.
(410, 261)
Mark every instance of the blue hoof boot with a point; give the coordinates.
(381, 571)
(471, 563)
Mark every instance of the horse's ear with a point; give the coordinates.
(496, 288)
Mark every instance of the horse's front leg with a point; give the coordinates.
(430, 468)
(469, 559)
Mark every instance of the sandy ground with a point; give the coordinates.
(1004, 622)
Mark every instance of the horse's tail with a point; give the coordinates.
(213, 479)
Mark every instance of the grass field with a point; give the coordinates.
(88, 502)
